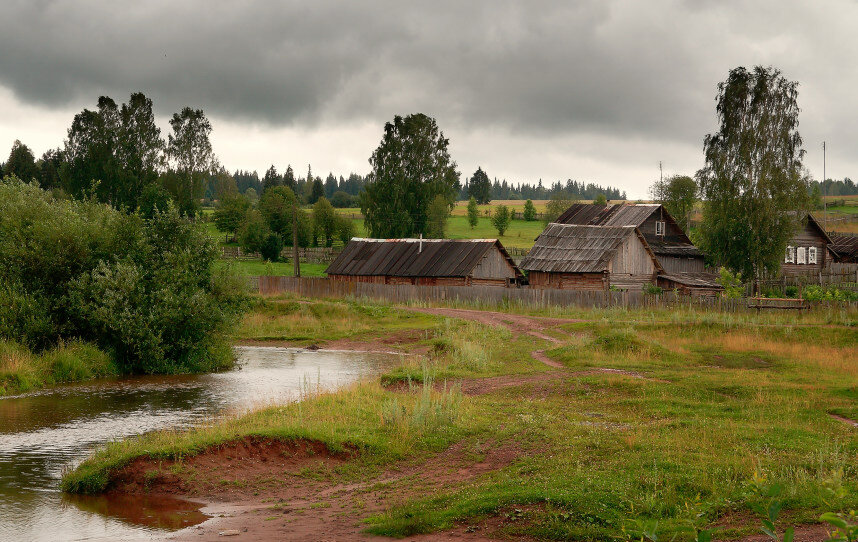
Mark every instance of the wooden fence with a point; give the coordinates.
(489, 295)
(306, 255)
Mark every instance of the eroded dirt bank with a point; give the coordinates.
(262, 489)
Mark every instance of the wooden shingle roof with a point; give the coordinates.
(414, 257)
(569, 248)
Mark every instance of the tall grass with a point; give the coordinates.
(22, 370)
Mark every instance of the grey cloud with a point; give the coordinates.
(640, 69)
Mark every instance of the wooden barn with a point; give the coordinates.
(667, 240)
(807, 252)
(457, 262)
(575, 257)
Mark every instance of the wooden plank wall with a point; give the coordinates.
(490, 295)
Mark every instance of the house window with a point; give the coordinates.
(659, 227)
(811, 255)
(799, 255)
(790, 255)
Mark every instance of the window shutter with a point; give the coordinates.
(800, 256)
(811, 255)
(790, 255)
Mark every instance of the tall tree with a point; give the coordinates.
(91, 152)
(140, 150)
(439, 212)
(752, 182)
(409, 168)
(112, 153)
(231, 210)
(317, 190)
(271, 178)
(678, 194)
(21, 163)
(289, 178)
(49, 168)
(480, 187)
(190, 151)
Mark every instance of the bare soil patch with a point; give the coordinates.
(224, 472)
(264, 489)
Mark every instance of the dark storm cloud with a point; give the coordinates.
(641, 69)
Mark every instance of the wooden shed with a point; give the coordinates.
(807, 252)
(575, 257)
(666, 239)
(458, 262)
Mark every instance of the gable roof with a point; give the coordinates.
(572, 248)
(813, 222)
(621, 214)
(632, 214)
(414, 257)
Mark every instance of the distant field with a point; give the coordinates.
(253, 268)
(520, 234)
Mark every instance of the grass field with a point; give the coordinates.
(649, 424)
(255, 268)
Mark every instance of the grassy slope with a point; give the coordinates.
(599, 451)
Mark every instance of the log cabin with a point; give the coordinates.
(575, 257)
(807, 253)
(454, 262)
(667, 240)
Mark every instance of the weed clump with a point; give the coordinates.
(624, 341)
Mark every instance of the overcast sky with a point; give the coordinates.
(597, 91)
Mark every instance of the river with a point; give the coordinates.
(45, 432)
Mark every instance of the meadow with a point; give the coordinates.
(602, 425)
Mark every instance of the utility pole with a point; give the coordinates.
(824, 209)
(295, 260)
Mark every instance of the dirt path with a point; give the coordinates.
(518, 324)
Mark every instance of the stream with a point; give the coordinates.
(45, 432)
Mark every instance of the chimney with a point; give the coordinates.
(420, 246)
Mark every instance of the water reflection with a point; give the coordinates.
(43, 433)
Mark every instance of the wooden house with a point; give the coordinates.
(667, 240)
(575, 257)
(458, 262)
(808, 251)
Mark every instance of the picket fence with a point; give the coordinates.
(490, 295)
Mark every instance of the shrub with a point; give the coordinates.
(142, 290)
(271, 247)
(529, 213)
(501, 219)
(832, 293)
(732, 283)
(652, 289)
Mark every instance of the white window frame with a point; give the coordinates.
(659, 227)
(790, 254)
(800, 256)
(811, 255)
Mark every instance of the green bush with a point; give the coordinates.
(832, 293)
(271, 248)
(143, 290)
